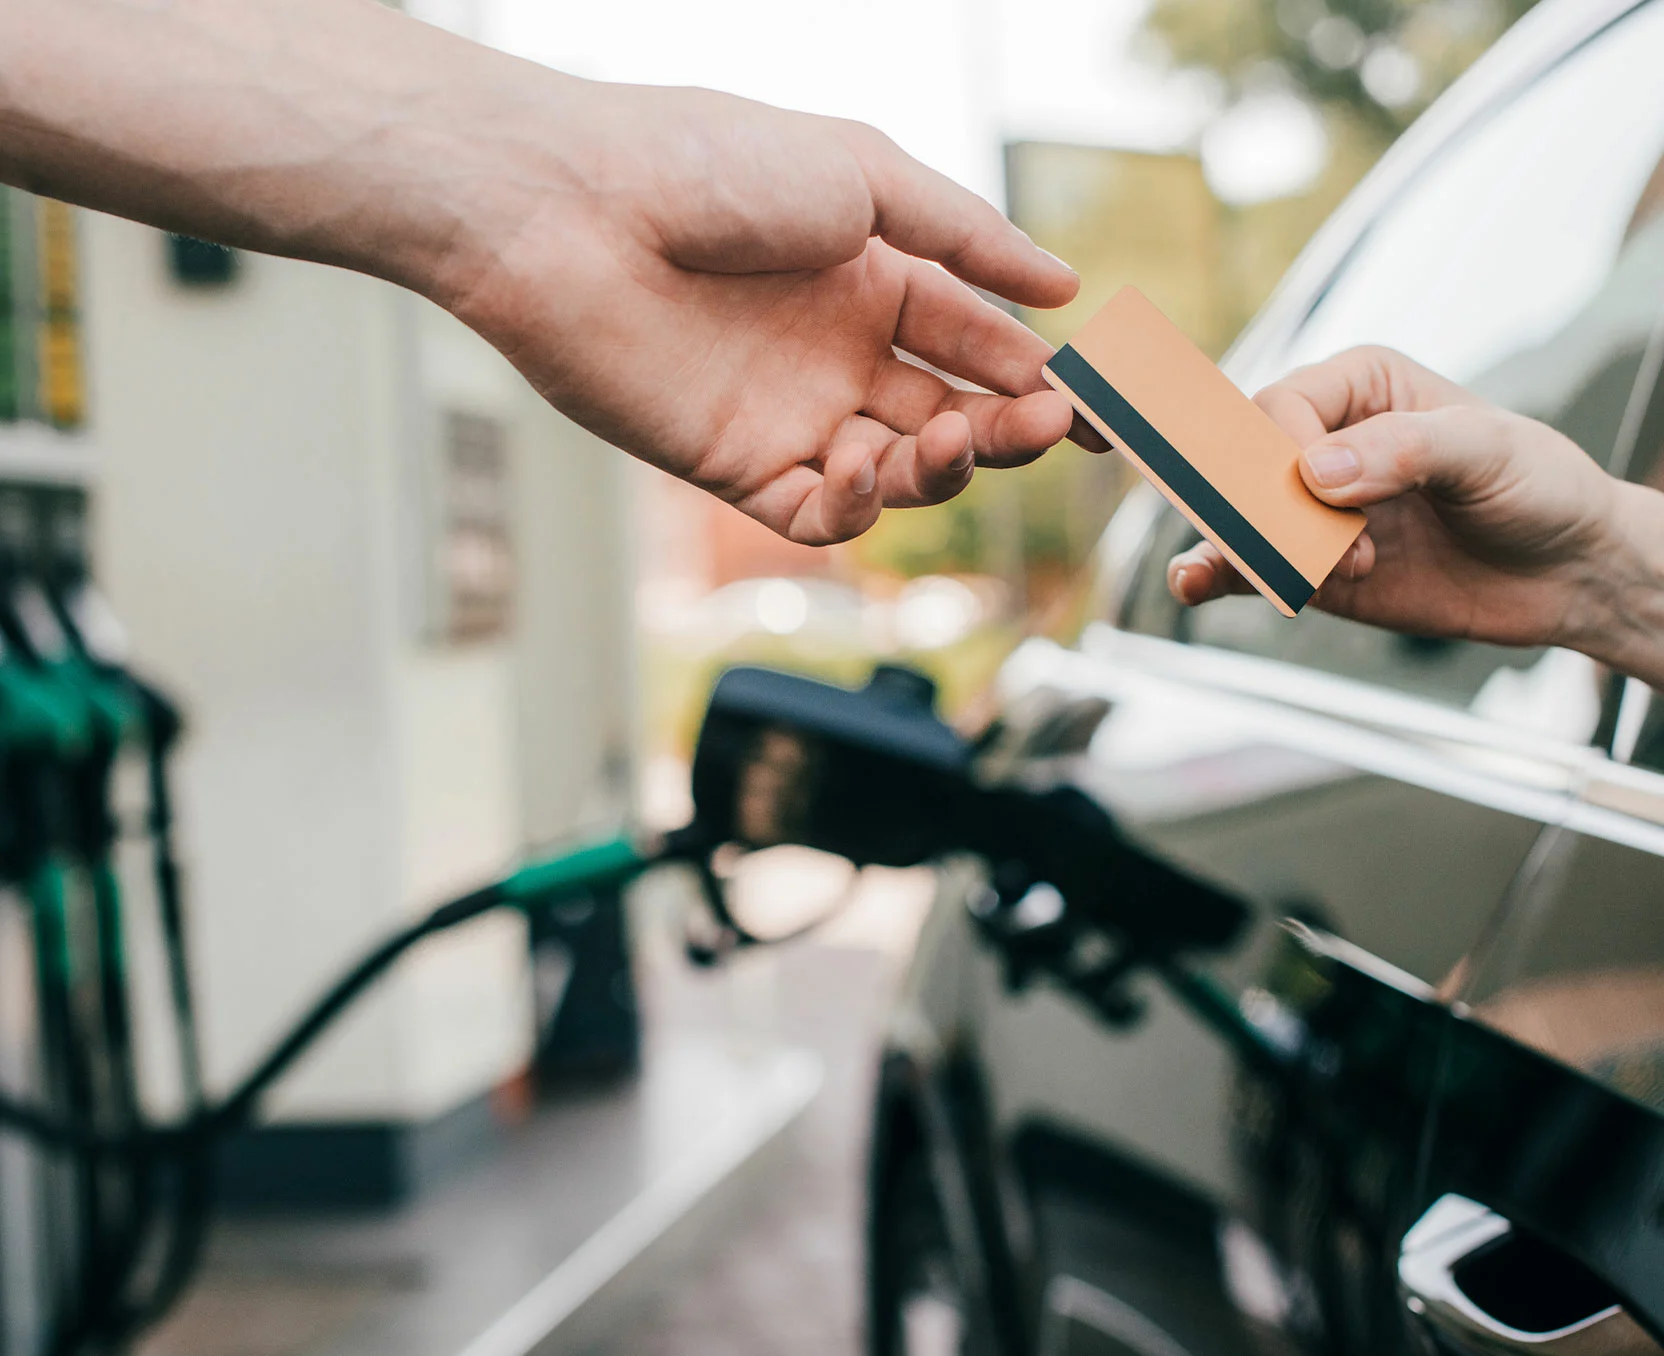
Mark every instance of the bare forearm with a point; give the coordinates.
(331, 130)
(692, 276)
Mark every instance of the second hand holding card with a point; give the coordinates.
(1220, 459)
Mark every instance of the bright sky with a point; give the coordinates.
(950, 80)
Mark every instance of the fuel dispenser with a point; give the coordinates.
(103, 1206)
(69, 715)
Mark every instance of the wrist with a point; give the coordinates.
(497, 160)
(1618, 612)
(475, 149)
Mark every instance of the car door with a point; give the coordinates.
(1544, 1162)
(1544, 1166)
(1385, 790)
(1545, 1158)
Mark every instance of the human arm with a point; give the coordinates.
(716, 286)
(1481, 523)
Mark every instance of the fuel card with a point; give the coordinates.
(1218, 457)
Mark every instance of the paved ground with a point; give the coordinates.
(787, 1279)
(783, 1274)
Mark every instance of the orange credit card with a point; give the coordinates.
(1216, 455)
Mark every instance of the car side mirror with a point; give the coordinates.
(874, 774)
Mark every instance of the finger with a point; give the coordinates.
(844, 504)
(1457, 453)
(929, 467)
(1004, 432)
(1201, 574)
(1353, 386)
(1338, 593)
(905, 396)
(1014, 432)
(1294, 412)
(927, 215)
(1358, 562)
(820, 505)
(1084, 436)
(952, 328)
(915, 469)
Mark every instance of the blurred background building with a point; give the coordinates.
(389, 587)
(419, 621)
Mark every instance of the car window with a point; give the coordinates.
(1526, 260)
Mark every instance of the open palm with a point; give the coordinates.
(727, 295)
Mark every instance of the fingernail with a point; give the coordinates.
(963, 461)
(1333, 466)
(1178, 583)
(1043, 250)
(865, 478)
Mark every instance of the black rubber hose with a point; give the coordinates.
(66, 1075)
(66, 1070)
(193, 1168)
(77, 1135)
(238, 1107)
(163, 726)
(174, 1235)
(185, 1150)
(194, 1159)
(124, 1202)
(124, 1185)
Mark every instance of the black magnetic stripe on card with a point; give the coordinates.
(1182, 478)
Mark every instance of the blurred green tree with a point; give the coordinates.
(1376, 62)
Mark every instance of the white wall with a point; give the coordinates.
(578, 693)
(262, 458)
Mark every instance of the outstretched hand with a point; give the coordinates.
(717, 286)
(725, 290)
(1481, 523)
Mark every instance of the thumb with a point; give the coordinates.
(1454, 452)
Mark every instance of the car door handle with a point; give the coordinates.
(1476, 1286)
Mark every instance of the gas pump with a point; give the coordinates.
(69, 713)
(115, 1208)
(871, 775)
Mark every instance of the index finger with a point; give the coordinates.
(1353, 386)
(927, 215)
(953, 329)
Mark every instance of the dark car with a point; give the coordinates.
(1417, 1097)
